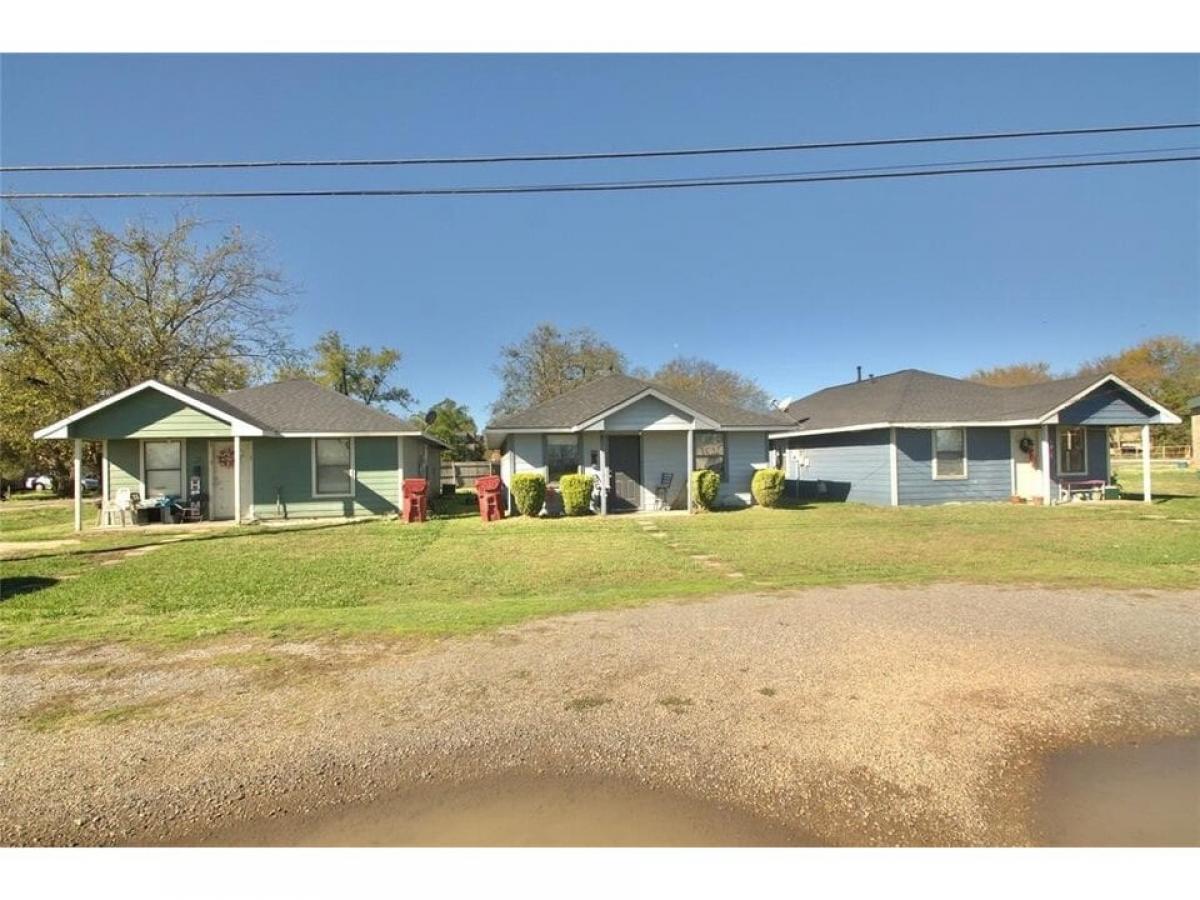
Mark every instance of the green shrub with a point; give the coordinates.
(767, 486)
(705, 484)
(576, 493)
(529, 492)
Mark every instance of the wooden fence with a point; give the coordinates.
(463, 474)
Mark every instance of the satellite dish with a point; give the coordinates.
(431, 417)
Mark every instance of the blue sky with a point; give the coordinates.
(793, 285)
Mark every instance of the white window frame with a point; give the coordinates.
(146, 470)
(1062, 432)
(353, 468)
(933, 433)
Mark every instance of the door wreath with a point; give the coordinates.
(1029, 448)
(225, 458)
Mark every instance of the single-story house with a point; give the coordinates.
(914, 437)
(292, 449)
(643, 435)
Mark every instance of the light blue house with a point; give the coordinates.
(914, 437)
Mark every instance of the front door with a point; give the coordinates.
(220, 479)
(625, 463)
(1027, 469)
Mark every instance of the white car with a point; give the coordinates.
(39, 483)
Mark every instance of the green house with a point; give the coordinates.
(292, 449)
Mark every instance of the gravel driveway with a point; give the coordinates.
(861, 715)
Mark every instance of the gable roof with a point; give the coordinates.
(296, 407)
(914, 397)
(573, 409)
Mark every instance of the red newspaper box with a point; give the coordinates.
(416, 508)
(488, 490)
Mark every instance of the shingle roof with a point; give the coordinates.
(299, 405)
(911, 395)
(588, 400)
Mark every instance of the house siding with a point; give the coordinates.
(148, 414)
(664, 452)
(124, 466)
(744, 451)
(196, 454)
(1108, 406)
(283, 480)
(852, 466)
(647, 414)
(989, 467)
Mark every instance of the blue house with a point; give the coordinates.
(914, 437)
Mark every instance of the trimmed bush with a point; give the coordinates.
(576, 493)
(705, 484)
(529, 492)
(767, 486)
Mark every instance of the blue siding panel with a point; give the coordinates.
(853, 466)
(989, 467)
(1108, 406)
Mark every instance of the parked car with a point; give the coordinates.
(39, 483)
(90, 483)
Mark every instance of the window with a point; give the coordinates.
(949, 453)
(562, 455)
(333, 467)
(710, 452)
(1072, 451)
(164, 468)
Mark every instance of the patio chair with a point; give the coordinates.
(123, 505)
(662, 493)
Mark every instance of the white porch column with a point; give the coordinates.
(603, 479)
(77, 471)
(894, 467)
(237, 480)
(691, 461)
(1047, 499)
(1146, 498)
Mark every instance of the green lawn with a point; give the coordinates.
(456, 575)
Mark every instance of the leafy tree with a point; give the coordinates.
(707, 379)
(87, 311)
(453, 424)
(1166, 368)
(358, 372)
(1013, 375)
(547, 362)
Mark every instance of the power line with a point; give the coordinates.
(593, 187)
(616, 154)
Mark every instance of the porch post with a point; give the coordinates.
(1046, 498)
(77, 471)
(237, 480)
(603, 479)
(1146, 498)
(691, 461)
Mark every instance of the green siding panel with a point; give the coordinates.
(283, 480)
(124, 466)
(197, 457)
(148, 414)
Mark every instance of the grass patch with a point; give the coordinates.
(676, 704)
(457, 575)
(592, 701)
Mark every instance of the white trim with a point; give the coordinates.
(894, 467)
(933, 453)
(709, 424)
(1168, 417)
(104, 471)
(399, 475)
(312, 446)
(687, 469)
(1147, 487)
(141, 442)
(1058, 440)
(77, 473)
(1047, 498)
(237, 479)
(59, 428)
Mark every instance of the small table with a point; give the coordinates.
(1093, 488)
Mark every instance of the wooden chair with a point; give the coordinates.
(662, 493)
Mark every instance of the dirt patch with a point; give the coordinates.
(9, 547)
(852, 716)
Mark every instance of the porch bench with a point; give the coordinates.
(1093, 488)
